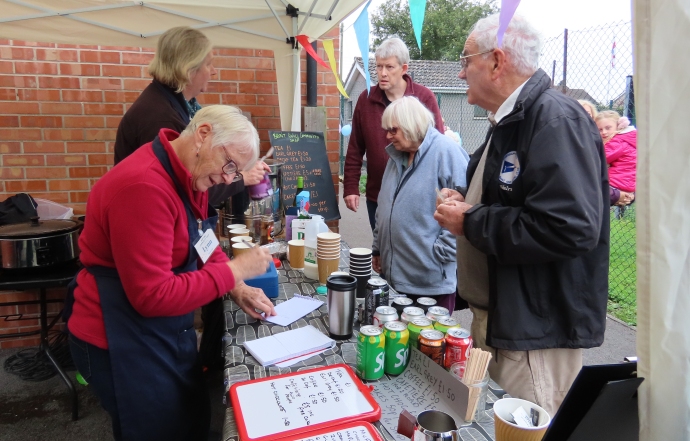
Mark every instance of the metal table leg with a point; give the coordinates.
(45, 348)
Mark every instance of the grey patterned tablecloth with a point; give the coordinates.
(241, 366)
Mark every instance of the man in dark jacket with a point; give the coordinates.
(367, 136)
(533, 228)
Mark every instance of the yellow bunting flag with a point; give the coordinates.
(330, 54)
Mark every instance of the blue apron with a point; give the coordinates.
(159, 386)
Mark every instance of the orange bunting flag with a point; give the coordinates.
(330, 54)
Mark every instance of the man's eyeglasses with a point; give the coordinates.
(230, 168)
(463, 59)
(393, 130)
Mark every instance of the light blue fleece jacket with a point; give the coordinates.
(417, 255)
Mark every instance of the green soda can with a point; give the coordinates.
(445, 323)
(371, 348)
(397, 347)
(415, 327)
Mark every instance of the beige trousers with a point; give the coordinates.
(541, 376)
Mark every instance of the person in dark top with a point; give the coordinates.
(181, 70)
(392, 59)
(533, 227)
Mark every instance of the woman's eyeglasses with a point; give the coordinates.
(393, 130)
(230, 168)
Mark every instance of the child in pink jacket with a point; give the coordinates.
(620, 145)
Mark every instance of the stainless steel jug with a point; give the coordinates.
(434, 425)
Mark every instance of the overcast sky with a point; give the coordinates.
(551, 17)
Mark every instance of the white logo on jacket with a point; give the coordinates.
(510, 169)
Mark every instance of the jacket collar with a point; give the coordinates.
(538, 83)
(376, 94)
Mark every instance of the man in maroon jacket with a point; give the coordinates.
(367, 136)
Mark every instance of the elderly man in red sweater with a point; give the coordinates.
(392, 58)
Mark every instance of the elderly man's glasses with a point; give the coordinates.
(230, 168)
(393, 130)
(463, 59)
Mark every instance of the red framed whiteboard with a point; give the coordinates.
(355, 431)
(293, 404)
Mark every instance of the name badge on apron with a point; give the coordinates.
(206, 244)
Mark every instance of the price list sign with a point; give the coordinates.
(423, 386)
(304, 154)
(276, 405)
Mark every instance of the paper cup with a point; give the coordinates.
(240, 248)
(326, 267)
(238, 239)
(239, 232)
(360, 252)
(506, 431)
(296, 254)
(328, 237)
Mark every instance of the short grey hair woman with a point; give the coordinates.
(411, 251)
(132, 333)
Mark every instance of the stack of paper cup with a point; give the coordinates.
(327, 254)
(360, 267)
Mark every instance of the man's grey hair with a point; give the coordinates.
(229, 127)
(521, 41)
(394, 47)
(410, 116)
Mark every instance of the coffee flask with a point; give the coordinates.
(342, 290)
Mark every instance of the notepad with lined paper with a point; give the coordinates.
(289, 344)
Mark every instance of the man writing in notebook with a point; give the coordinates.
(533, 228)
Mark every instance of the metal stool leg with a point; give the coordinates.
(45, 348)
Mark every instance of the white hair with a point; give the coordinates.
(394, 47)
(521, 41)
(229, 127)
(410, 116)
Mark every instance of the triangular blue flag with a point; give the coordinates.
(361, 27)
(417, 10)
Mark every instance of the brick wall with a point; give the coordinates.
(60, 106)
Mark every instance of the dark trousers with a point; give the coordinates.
(371, 209)
(93, 363)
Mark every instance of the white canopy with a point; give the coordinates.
(255, 24)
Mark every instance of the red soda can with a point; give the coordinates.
(458, 345)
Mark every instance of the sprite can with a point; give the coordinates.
(397, 347)
(416, 326)
(371, 346)
(445, 323)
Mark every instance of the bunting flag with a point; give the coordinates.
(330, 54)
(304, 41)
(508, 8)
(417, 10)
(361, 27)
(613, 54)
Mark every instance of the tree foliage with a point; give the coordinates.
(446, 26)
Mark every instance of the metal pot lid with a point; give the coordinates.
(37, 227)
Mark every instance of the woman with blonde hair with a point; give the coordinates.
(620, 146)
(181, 69)
(589, 107)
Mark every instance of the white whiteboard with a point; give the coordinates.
(358, 433)
(279, 404)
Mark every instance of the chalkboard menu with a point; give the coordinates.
(304, 154)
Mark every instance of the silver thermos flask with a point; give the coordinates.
(342, 290)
